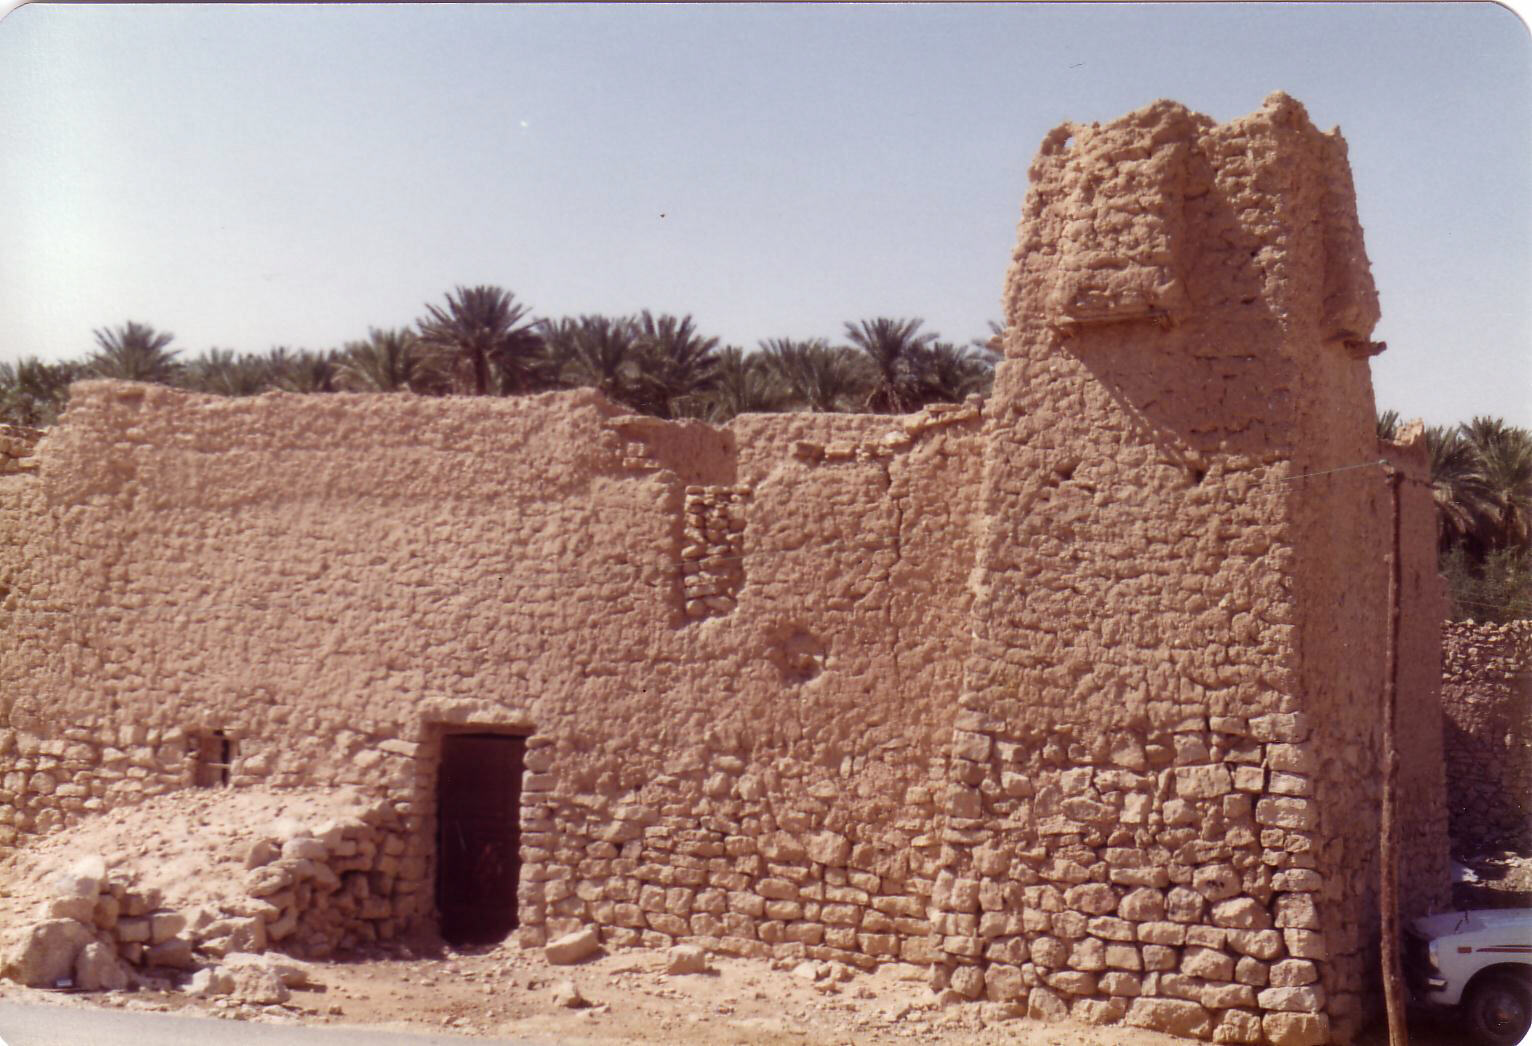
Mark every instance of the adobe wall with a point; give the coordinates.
(1166, 760)
(1073, 695)
(332, 583)
(1422, 781)
(1487, 730)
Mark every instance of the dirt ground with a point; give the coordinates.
(505, 991)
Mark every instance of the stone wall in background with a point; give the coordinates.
(1487, 732)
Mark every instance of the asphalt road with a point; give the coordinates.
(32, 1024)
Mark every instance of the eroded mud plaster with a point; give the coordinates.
(1071, 695)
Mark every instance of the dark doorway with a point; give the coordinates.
(478, 836)
(212, 754)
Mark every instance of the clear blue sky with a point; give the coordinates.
(264, 175)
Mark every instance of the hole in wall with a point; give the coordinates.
(799, 655)
(1196, 475)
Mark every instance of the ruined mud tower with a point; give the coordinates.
(1071, 695)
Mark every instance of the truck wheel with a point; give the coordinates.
(1499, 1009)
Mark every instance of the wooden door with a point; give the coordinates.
(478, 856)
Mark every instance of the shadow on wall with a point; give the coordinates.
(1487, 803)
(1194, 386)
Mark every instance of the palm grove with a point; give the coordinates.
(482, 341)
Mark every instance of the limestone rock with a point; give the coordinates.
(80, 909)
(174, 952)
(46, 952)
(97, 968)
(305, 849)
(83, 878)
(828, 848)
(258, 984)
(686, 958)
(567, 994)
(1176, 1016)
(572, 947)
(1296, 1029)
(239, 934)
(211, 980)
(165, 925)
(105, 912)
(133, 930)
(261, 853)
(291, 972)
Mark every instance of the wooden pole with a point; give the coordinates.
(1393, 970)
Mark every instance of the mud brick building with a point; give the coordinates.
(1071, 695)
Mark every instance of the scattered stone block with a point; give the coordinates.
(572, 947)
(686, 958)
(46, 952)
(567, 995)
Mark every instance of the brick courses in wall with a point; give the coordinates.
(1069, 695)
(1487, 731)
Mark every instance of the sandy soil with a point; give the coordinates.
(508, 992)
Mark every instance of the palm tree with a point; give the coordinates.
(305, 371)
(134, 352)
(894, 347)
(819, 377)
(223, 373)
(596, 351)
(484, 330)
(949, 374)
(745, 385)
(1503, 460)
(33, 393)
(1456, 485)
(674, 364)
(389, 361)
(1388, 424)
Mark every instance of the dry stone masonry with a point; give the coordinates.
(16, 449)
(309, 891)
(1487, 730)
(712, 558)
(1070, 695)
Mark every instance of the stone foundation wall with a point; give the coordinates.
(1487, 731)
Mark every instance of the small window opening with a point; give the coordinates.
(214, 755)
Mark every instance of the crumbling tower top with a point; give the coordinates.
(1163, 216)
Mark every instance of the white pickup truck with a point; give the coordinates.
(1479, 961)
